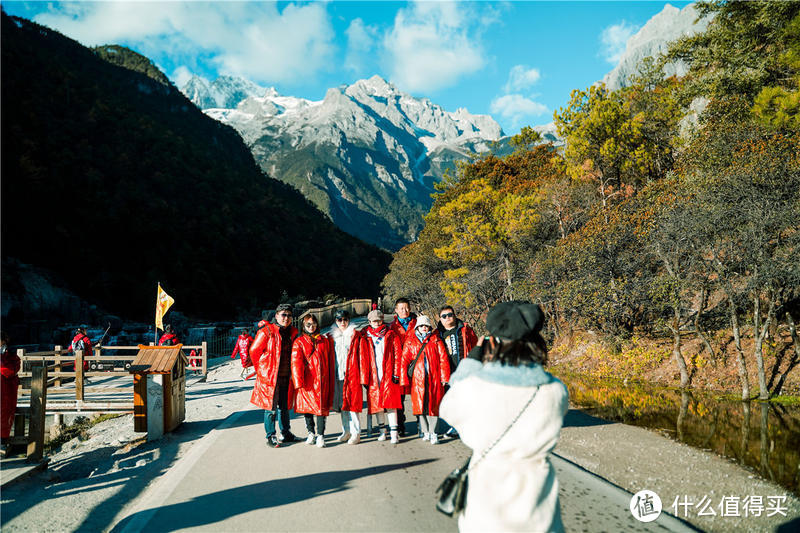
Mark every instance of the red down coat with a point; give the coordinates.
(9, 367)
(432, 381)
(265, 353)
(242, 347)
(312, 374)
(381, 393)
(397, 327)
(352, 397)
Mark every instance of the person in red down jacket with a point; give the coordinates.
(404, 321)
(313, 378)
(81, 342)
(347, 395)
(379, 351)
(168, 338)
(242, 349)
(431, 372)
(9, 368)
(271, 354)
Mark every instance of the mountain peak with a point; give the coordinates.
(653, 39)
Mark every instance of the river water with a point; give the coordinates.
(762, 436)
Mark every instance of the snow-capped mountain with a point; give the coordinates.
(653, 39)
(225, 91)
(367, 154)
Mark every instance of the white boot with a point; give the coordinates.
(382, 435)
(426, 436)
(355, 439)
(395, 438)
(434, 438)
(310, 439)
(320, 441)
(343, 437)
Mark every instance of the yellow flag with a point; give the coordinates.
(163, 302)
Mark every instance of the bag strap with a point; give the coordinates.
(414, 364)
(492, 445)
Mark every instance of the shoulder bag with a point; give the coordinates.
(413, 364)
(453, 490)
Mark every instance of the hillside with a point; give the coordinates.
(116, 181)
(367, 155)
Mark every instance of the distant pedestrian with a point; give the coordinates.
(9, 383)
(509, 410)
(242, 349)
(313, 376)
(404, 321)
(379, 353)
(347, 396)
(271, 354)
(169, 338)
(81, 342)
(425, 350)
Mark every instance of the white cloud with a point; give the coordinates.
(517, 108)
(180, 76)
(521, 77)
(253, 40)
(360, 42)
(433, 44)
(614, 39)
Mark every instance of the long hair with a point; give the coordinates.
(513, 353)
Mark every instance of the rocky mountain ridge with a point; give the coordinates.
(367, 154)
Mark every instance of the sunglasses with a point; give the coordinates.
(447, 315)
(342, 319)
(285, 315)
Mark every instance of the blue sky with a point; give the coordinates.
(517, 61)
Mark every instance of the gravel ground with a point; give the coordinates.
(90, 483)
(635, 459)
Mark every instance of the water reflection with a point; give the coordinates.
(722, 426)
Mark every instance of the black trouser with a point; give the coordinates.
(401, 416)
(310, 424)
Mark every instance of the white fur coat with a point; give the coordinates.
(514, 488)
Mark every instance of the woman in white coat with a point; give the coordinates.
(347, 395)
(514, 487)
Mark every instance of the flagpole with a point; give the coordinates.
(155, 328)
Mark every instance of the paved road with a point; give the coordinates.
(231, 481)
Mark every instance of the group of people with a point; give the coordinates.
(314, 374)
(493, 391)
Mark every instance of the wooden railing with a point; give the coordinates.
(47, 374)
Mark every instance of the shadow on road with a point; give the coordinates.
(577, 419)
(217, 506)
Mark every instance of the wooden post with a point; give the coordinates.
(38, 408)
(140, 403)
(205, 358)
(79, 375)
(57, 350)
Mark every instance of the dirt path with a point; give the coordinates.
(636, 459)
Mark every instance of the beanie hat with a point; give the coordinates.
(423, 320)
(515, 320)
(375, 314)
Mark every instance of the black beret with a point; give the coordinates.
(515, 320)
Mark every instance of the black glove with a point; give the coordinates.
(396, 380)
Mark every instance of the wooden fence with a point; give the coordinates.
(55, 382)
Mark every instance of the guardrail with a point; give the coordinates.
(325, 315)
